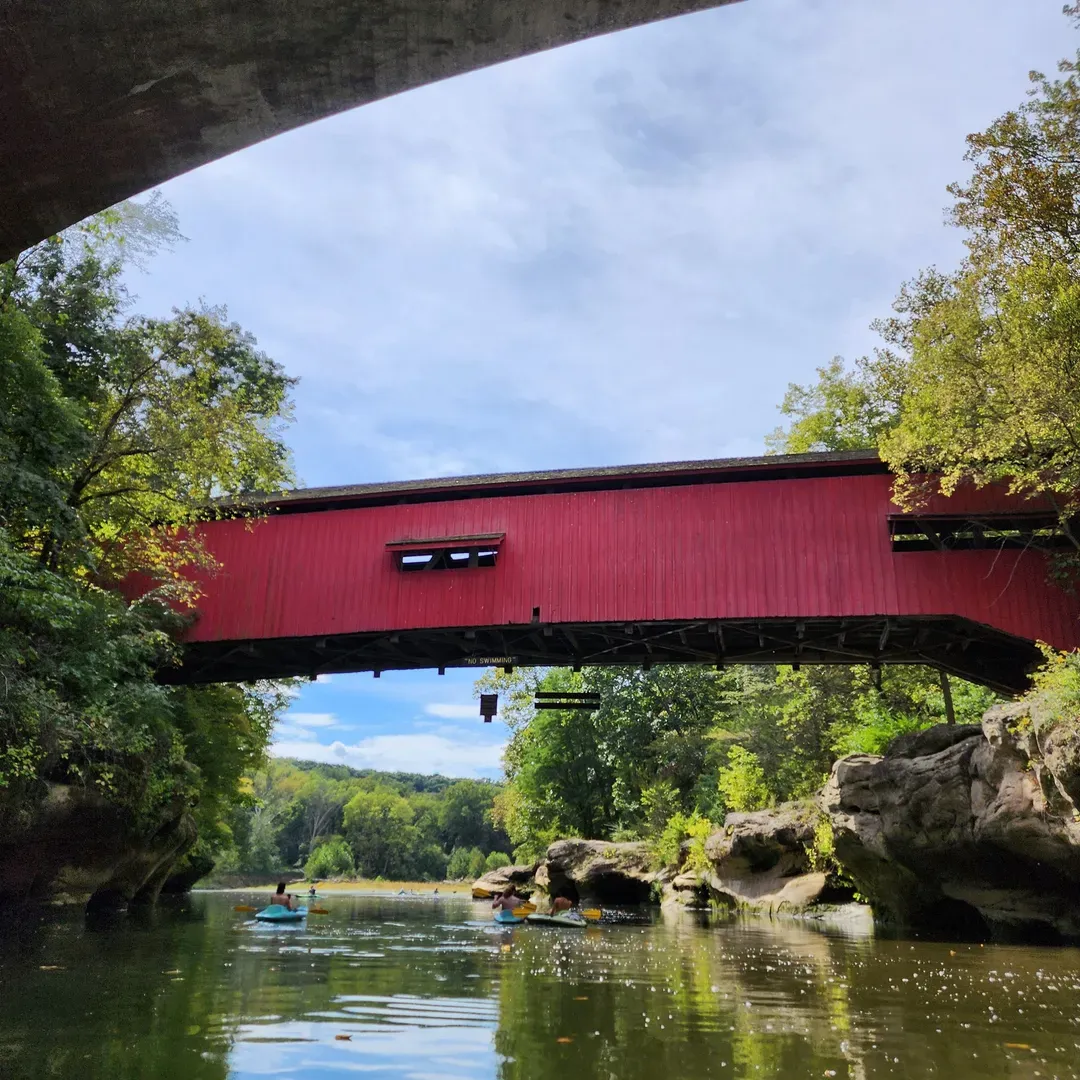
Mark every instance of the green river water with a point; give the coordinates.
(426, 989)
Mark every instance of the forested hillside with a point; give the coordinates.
(334, 821)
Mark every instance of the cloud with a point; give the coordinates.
(420, 753)
(618, 251)
(312, 720)
(448, 711)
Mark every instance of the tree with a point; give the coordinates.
(843, 410)
(496, 860)
(332, 859)
(170, 412)
(115, 432)
(976, 382)
(379, 827)
(465, 864)
(464, 816)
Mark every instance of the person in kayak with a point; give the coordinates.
(311, 892)
(507, 900)
(283, 898)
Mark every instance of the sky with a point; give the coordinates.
(619, 251)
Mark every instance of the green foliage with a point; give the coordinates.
(115, 429)
(496, 860)
(742, 781)
(691, 740)
(689, 830)
(976, 381)
(843, 410)
(398, 826)
(465, 864)
(331, 859)
(822, 850)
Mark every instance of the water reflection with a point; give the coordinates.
(418, 988)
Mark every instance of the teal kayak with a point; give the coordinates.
(508, 917)
(280, 913)
(568, 919)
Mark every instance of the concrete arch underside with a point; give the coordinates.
(102, 99)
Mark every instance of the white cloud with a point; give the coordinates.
(421, 753)
(622, 250)
(447, 711)
(312, 719)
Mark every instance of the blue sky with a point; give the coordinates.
(616, 252)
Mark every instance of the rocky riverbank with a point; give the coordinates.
(77, 847)
(965, 831)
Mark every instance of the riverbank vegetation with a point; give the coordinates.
(116, 430)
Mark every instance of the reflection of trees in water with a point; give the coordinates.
(111, 1011)
(673, 1001)
(114, 1012)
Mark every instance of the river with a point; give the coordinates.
(429, 989)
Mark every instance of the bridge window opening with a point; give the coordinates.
(939, 532)
(447, 553)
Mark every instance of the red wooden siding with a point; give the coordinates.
(760, 549)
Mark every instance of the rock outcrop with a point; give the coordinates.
(965, 829)
(757, 862)
(597, 871)
(495, 881)
(80, 848)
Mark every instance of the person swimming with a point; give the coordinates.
(283, 898)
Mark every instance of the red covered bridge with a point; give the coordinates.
(797, 559)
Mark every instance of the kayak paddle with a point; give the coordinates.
(592, 914)
(244, 907)
(525, 909)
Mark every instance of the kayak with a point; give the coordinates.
(567, 919)
(509, 917)
(280, 913)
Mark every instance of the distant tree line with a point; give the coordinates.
(334, 821)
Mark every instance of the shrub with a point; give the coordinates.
(742, 781)
(666, 849)
(332, 859)
(496, 860)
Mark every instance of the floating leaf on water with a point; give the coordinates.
(52, 967)
(194, 1029)
(564, 1039)
(1017, 1046)
(343, 1038)
(581, 999)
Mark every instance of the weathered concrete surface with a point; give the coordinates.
(101, 99)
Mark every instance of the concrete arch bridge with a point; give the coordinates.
(102, 99)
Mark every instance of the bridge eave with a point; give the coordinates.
(958, 646)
